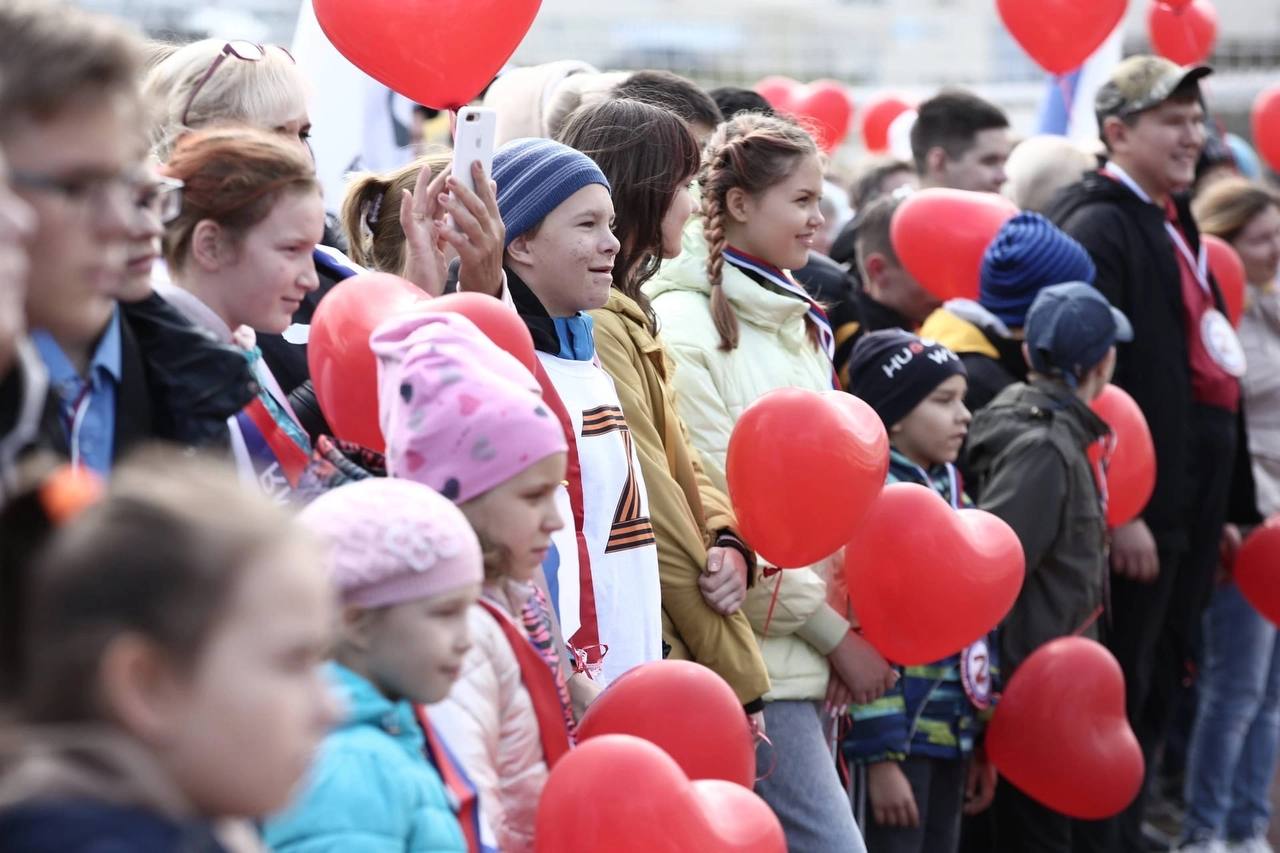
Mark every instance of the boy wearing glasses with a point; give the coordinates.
(72, 133)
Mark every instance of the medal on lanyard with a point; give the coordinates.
(975, 674)
(1216, 333)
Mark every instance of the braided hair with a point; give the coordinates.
(751, 152)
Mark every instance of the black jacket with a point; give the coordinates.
(193, 382)
(1138, 271)
(177, 384)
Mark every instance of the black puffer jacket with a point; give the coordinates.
(1138, 271)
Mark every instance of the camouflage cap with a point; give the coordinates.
(1142, 82)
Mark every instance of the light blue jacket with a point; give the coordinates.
(372, 789)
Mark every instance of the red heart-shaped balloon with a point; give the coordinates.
(877, 116)
(623, 794)
(1265, 120)
(1131, 471)
(439, 53)
(1257, 567)
(343, 368)
(685, 708)
(1184, 34)
(778, 92)
(802, 469)
(1060, 34)
(1228, 271)
(927, 580)
(825, 108)
(1060, 733)
(941, 234)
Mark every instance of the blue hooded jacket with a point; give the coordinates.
(372, 789)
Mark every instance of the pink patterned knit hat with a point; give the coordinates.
(392, 541)
(458, 413)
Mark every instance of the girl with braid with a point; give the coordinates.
(738, 326)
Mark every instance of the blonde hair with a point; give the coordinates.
(1229, 205)
(255, 93)
(751, 152)
(371, 212)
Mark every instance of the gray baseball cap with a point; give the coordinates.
(1070, 328)
(1141, 82)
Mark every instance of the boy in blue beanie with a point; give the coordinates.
(1029, 453)
(602, 569)
(1028, 254)
(913, 750)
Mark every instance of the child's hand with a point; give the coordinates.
(724, 582)
(980, 789)
(1133, 552)
(892, 802)
(861, 667)
(478, 235)
(420, 219)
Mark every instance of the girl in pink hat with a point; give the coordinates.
(467, 419)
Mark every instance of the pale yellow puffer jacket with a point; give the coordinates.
(712, 387)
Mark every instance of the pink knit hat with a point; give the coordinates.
(392, 541)
(458, 413)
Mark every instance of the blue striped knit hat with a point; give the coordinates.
(535, 176)
(1028, 254)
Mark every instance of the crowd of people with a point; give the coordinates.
(227, 628)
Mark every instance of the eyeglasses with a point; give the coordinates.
(244, 50)
(97, 191)
(161, 197)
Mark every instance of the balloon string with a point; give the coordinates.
(1067, 95)
(773, 602)
(761, 737)
(1088, 623)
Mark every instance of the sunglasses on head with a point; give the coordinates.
(244, 50)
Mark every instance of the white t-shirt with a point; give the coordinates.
(620, 544)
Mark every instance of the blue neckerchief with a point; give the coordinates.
(576, 339)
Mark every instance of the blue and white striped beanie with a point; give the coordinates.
(535, 176)
(1027, 255)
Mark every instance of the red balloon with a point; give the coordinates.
(1131, 473)
(940, 236)
(1060, 733)
(825, 108)
(877, 116)
(1228, 270)
(343, 368)
(1265, 119)
(500, 323)
(685, 708)
(624, 795)
(778, 92)
(1060, 34)
(1256, 569)
(927, 580)
(1184, 32)
(438, 53)
(802, 469)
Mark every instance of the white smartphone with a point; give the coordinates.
(473, 141)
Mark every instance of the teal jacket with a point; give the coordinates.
(371, 789)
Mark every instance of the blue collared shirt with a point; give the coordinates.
(87, 406)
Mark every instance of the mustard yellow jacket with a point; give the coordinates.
(687, 511)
